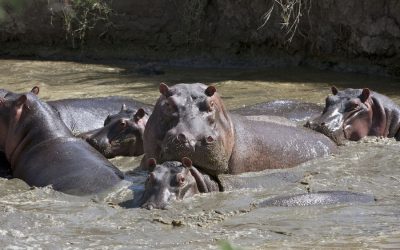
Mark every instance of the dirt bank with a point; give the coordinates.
(361, 36)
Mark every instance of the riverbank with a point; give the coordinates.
(333, 35)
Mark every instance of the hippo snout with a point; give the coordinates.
(150, 205)
(316, 125)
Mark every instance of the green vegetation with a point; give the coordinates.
(226, 245)
(193, 12)
(291, 12)
(81, 16)
(10, 6)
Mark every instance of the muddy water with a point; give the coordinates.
(43, 218)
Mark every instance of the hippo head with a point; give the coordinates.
(190, 120)
(347, 115)
(120, 137)
(9, 105)
(171, 181)
(24, 120)
(123, 113)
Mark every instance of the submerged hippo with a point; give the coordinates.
(291, 109)
(82, 115)
(42, 150)
(122, 134)
(190, 120)
(175, 180)
(355, 113)
(318, 198)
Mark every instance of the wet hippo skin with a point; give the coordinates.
(291, 109)
(122, 134)
(318, 198)
(190, 120)
(352, 114)
(42, 150)
(83, 115)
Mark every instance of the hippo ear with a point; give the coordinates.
(151, 162)
(186, 162)
(210, 90)
(35, 90)
(123, 107)
(334, 90)
(201, 184)
(365, 95)
(21, 100)
(164, 89)
(139, 114)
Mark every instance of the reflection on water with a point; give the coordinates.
(45, 218)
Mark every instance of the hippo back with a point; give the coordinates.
(42, 150)
(263, 145)
(291, 109)
(81, 115)
(69, 165)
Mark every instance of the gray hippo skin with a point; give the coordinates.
(352, 114)
(291, 109)
(318, 198)
(190, 120)
(122, 134)
(173, 180)
(83, 115)
(42, 150)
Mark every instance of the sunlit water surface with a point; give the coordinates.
(41, 217)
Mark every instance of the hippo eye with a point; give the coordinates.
(122, 124)
(150, 178)
(169, 107)
(180, 179)
(352, 106)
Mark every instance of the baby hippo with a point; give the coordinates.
(122, 134)
(174, 180)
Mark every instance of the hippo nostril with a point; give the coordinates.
(210, 139)
(181, 138)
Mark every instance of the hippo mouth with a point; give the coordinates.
(123, 146)
(337, 136)
(158, 202)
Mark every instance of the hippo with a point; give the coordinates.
(190, 120)
(122, 134)
(318, 198)
(123, 113)
(83, 115)
(174, 180)
(291, 109)
(352, 114)
(42, 150)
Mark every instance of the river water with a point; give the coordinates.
(42, 218)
